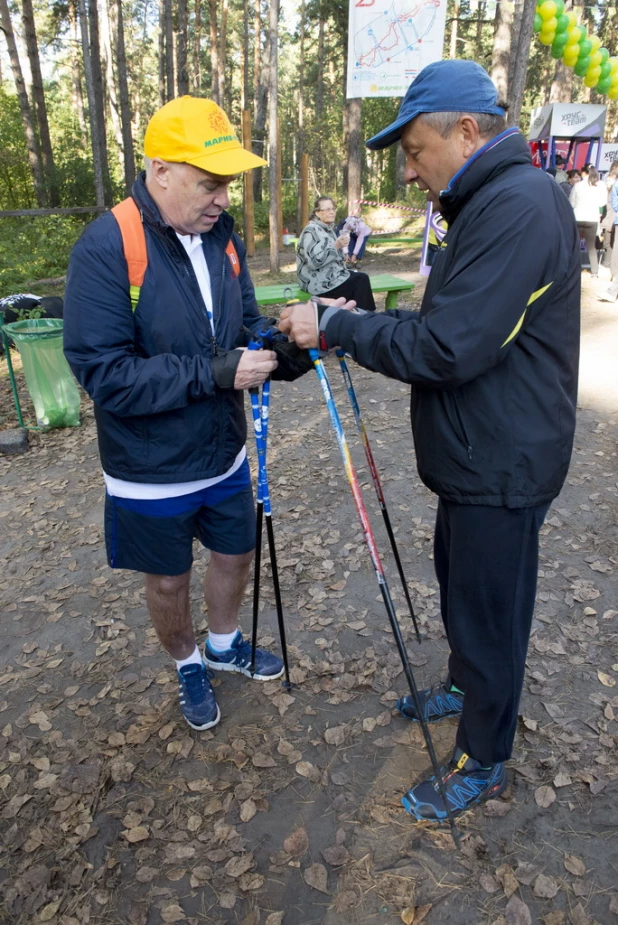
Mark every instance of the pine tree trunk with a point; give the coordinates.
(125, 106)
(197, 52)
(24, 107)
(319, 90)
(501, 52)
(40, 108)
(162, 93)
(257, 54)
(107, 45)
(454, 27)
(355, 150)
(182, 77)
(169, 49)
(273, 153)
(215, 65)
(261, 111)
(99, 95)
(520, 62)
(301, 111)
(97, 125)
(222, 52)
(562, 84)
(77, 93)
(244, 83)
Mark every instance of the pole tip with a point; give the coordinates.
(287, 685)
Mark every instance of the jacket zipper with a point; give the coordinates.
(463, 428)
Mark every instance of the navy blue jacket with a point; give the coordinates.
(492, 356)
(152, 374)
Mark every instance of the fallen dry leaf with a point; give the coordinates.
(606, 679)
(613, 904)
(261, 760)
(545, 887)
(335, 855)
(554, 918)
(308, 770)
(544, 796)
(139, 833)
(517, 912)
(335, 735)
(574, 865)
(247, 811)
(316, 876)
(48, 912)
(297, 843)
(172, 913)
(506, 877)
(235, 867)
(275, 918)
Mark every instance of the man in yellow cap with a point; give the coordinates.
(161, 363)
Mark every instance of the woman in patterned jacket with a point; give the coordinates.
(320, 259)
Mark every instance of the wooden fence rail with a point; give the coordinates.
(74, 210)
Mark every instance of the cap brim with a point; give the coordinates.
(228, 162)
(392, 133)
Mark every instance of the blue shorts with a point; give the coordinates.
(156, 537)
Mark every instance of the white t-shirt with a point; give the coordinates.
(154, 491)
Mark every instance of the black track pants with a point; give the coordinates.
(357, 287)
(486, 561)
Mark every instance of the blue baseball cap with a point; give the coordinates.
(444, 86)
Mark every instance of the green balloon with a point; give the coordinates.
(559, 7)
(581, 67)
(603, 85)
(556, 50)
(585, 47)
(606, 70)
(561, 39)
(582, 33)
(604, 52)
(538, 22)
(563, 24)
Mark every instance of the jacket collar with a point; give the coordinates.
(221, 231)
(504, 151)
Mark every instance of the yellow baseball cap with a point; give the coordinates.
(196, 131)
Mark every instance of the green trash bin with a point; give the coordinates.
(52, 388)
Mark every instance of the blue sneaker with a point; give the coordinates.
(438, 702)
(466, 782)
(197, 698)
(268, 667)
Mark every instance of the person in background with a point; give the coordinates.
(609, 219)
(588, 199)
(359, 233)
(321, 259)
(572, 177)
(560, 175)
(611, 295)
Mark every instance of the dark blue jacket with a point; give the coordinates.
(492, 356)
(152, 374)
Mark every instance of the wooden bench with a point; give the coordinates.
(391, 285)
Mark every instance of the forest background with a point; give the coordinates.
(80, 79)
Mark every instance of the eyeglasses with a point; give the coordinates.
(328, 209)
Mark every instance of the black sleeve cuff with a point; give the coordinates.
(224, 367)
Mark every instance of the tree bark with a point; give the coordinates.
(24, 106)
(182, 76)
(169, 49)
(244, 83)
(355, 150)
(197, 50)
(257, 55)
(501, 53)
(454, 27)
(273, 152)
(215, 64)
(301, 114)
(107, 45)
(90, 48)
(261, 110)
(77, 92)
(162, 94)
(562, 84)
(520, 66)
(319, 89)
(222, 52)
(99, 95)
(40, 107)
(125, 106)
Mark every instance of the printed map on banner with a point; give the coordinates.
(390, 41)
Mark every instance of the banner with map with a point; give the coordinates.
(389, 42)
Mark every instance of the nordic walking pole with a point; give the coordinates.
(260, 426)
(377, 564)
(376, 483)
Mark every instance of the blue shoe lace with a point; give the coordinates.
(197, 684)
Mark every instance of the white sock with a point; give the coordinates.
(194, 659)
(221, 642)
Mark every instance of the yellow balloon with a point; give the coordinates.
(570, 57)
(594, 71)
(591, 81)
(572, 18)
(595, 41)
(613, 93)
(573, 38)
(614, 79)
(549, 25)
(614, 65)
(595, 58)
(546, 38)
(547, 9)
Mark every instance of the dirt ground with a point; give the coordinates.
(113, 811)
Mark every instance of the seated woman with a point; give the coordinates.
(320, 260)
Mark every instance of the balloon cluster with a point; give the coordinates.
(572, 44)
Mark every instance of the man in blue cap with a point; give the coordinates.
(492, 359)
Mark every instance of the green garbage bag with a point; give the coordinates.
(52, 388)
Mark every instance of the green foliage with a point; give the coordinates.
(16, 189)
(35, 248)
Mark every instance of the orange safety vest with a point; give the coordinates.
(129, 218)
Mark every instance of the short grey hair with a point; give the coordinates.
(444, 123)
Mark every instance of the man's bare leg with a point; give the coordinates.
(224, 588)
(167, 597)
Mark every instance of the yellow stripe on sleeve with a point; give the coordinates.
(535, 295)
